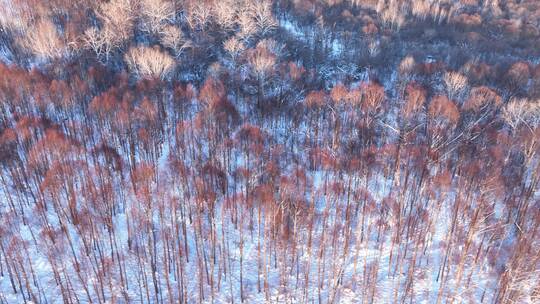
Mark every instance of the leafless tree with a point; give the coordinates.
(262, 62)
(173, 38)
(261, 12)
(420, 9)
(456, 84)
(198, 15)
(149, 62)
(392, 15)
(15, 16)
(234, 47)
(247, 25)
(156, 14)
(118, 21)
(406, 67)
(225, 14)
(44, 41)
(517, 77)
(256, 20)
(521, 111)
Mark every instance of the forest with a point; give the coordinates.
(269, 151)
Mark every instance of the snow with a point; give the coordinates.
(5, 55)
(366, 264)
(366, 253)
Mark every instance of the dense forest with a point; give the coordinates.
(257, 151)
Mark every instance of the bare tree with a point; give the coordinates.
(44, 41)
(198, 15)
(444, 116)
(415, 100)
(420, 9)
(517, 77)
(456, 84)
(149, 62)
(392, 15)
(15, 15)
(173, 38)
(156, 14)
(234, 48)
(262, 62)
(118, 21)
(256, 20)
(406, 67)
(225, 14)
(261, 12)
(521, 111)
(247, 25)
